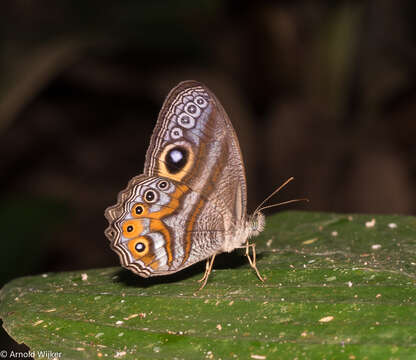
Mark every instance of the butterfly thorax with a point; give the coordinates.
(243, 231)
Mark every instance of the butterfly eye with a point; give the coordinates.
(201, 102)
(162, 185)
(150, 196)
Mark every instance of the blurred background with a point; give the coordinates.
(323, 91)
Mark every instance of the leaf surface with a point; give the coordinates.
(338, 287)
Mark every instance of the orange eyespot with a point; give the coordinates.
(132, 228)
(139, 210)
(139, 247)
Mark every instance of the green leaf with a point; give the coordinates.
(338, 287)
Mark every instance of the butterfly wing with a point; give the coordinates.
(195, 152)
(194, 142)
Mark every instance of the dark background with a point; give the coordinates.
(320, 91)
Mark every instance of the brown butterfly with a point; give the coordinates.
(190, 202)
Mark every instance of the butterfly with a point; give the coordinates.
(190, 203)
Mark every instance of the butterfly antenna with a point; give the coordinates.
(282, 203)
(259, 208)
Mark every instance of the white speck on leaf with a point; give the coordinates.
(310, 241)
(334, 233)
(370, 224)
(376, 246)
(326, 319)
(132, 316)
(392, 225)
(258, 357)
(84, 277)
(349, 283)
(119, 322)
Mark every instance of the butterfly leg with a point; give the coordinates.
(208, 269)
(252, 260)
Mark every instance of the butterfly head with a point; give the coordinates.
(256, 223)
